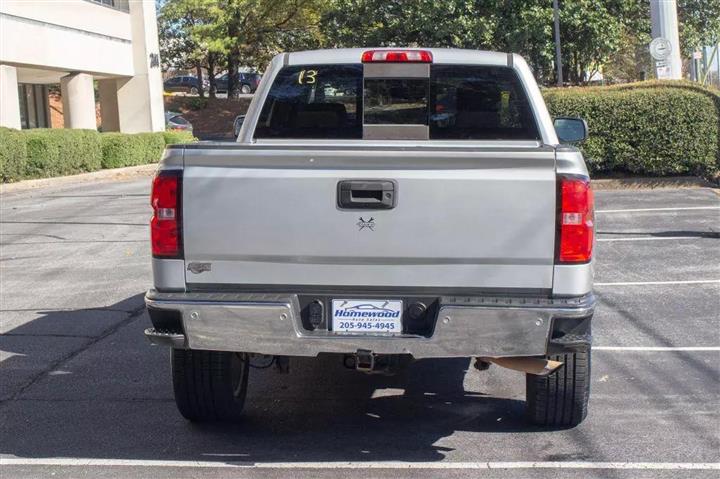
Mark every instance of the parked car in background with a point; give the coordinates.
(248, 82)
(175, 121)
(237, 124)
(184, 83)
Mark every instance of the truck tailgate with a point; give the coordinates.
(480, 218)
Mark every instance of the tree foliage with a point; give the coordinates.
(592, 30)
(181, 45)
(611, 35)
(430, 23)
(699, 23)
(234, 33)
(250, 32)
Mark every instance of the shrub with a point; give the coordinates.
(154, 146)
(121, 149)
(39, 153)
(650, 128)
(61, 152)
(82, 148)
(13, 155)
(197, 103)
(174, 137)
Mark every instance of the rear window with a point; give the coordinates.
(457, 102)
(313, 101)
(479, 103)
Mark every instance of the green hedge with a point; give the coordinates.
(120, 149)
(174, 137)
(61, 152)
(40, 153)
(648, 128)
(13, 155)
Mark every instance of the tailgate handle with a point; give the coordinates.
(367, 194)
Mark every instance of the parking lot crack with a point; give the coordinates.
(132, 315)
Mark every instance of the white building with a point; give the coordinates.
(75, 43)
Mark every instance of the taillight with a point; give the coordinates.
(166, 224)
(575, 221)
(397, 56)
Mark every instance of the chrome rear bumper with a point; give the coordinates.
(270, 324)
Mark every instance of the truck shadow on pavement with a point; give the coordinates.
(109, 396)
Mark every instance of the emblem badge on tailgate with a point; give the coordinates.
(369, 224)
(197, 268)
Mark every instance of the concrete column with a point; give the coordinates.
(78, 99)
(140, 98)
(9, 98)
(663, 15)
(109, 105)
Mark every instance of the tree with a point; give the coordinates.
(250, 32)
(428, 23)
(631, 61)
(612, 35)
(699, 24)
(591, 31)
(526, 27)
(181, 45)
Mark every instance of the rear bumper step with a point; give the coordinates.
(271, 324)
(161, 338)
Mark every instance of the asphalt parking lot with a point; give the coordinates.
(83, 394)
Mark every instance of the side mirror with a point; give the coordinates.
(570, 130)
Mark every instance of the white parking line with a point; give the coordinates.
(645, 283)
(656, 348)
(651, 238)
(362, 465)
(636, 210)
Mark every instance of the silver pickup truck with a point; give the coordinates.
(382, 206)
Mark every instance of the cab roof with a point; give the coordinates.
(440, 55)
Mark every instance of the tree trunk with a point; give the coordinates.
(233, 89)
(211, 60)
(199, 74)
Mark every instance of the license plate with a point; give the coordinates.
(367, 316)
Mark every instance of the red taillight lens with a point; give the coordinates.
(165, 225)
(397, 56)
(576, 220)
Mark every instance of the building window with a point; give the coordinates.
(34, 111)
(123, 5)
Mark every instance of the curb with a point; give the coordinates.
(113, 174)
(651, 183)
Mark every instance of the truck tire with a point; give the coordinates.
(209, 385)
(560, 399)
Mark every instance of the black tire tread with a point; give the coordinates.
(203, 385)
(560, 399)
